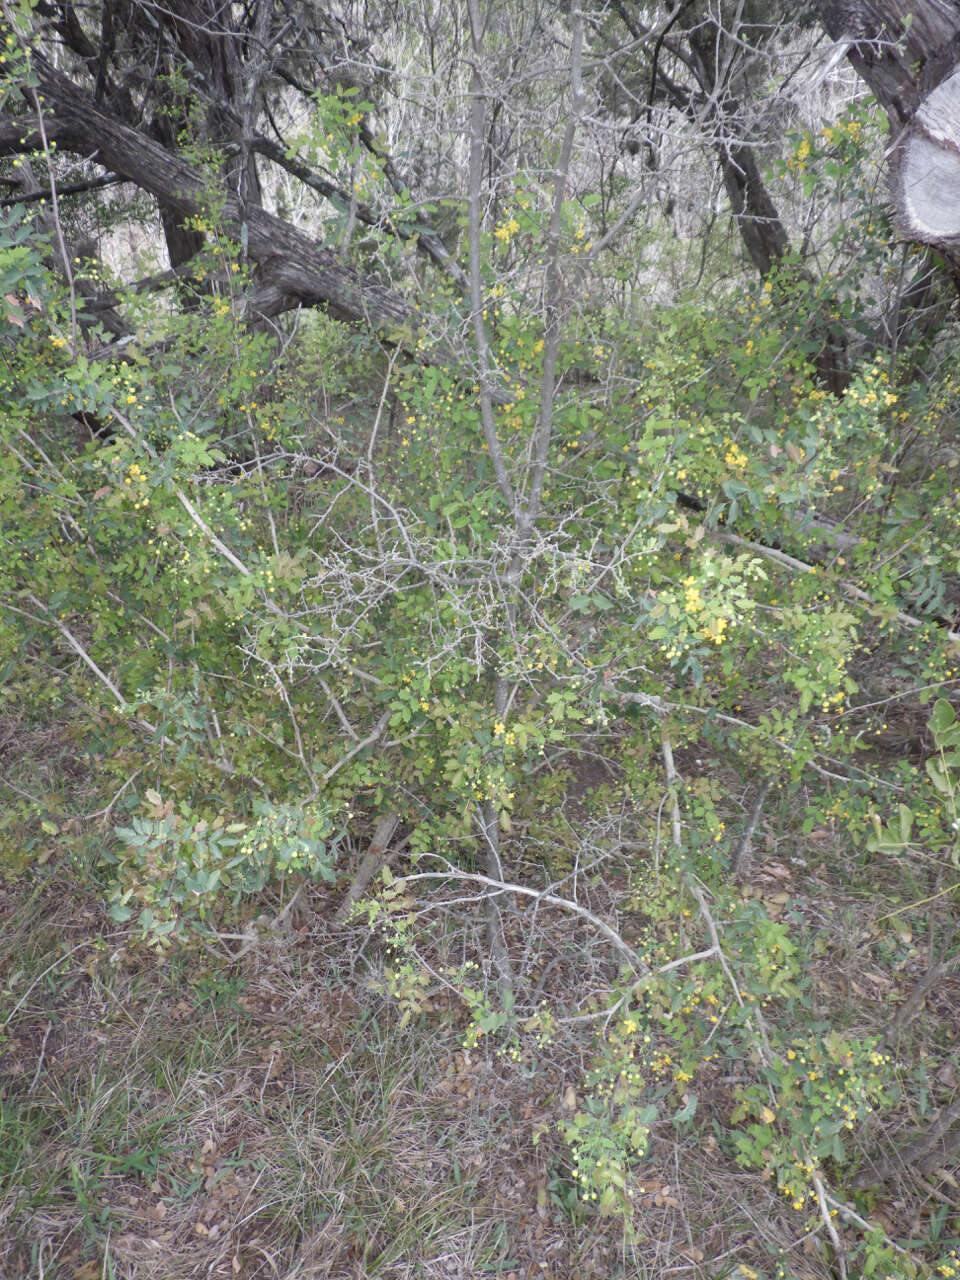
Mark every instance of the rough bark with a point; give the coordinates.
(710, 56)
(756, 217)
(761, 230)
(901, 48)
(292, 268)
(908, 52)
(374, 859)
(79, 255)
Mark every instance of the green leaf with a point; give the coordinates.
(687, 1112)
(938, 776)
(942, 718)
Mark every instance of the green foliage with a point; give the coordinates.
(274, 569)
(670, 1035)
(713, 600)
(810, 1096)
(611, 1130)
(177, 866)
(934, 799)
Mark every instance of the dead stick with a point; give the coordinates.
(373, 860)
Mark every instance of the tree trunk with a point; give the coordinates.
(757, 219)
(908, 52)
(761, 230)
(292, 268)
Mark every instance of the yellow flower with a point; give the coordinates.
(735, 457)
(506, 230)
(499, 728)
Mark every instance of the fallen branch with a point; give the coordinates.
(140, 721)
(801, 566)
(827, 1219)
(914, 1002)
(68, 189)
(375, 857)
(851, 1215)
(662, 707)
(740, 856)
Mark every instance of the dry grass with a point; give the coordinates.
(163, 1121)
(167, 1122)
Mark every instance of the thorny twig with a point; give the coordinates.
(375, 733)
(500, 887)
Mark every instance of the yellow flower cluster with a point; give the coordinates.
(872, 394)
(798, 160)
(735, 457)
(715, 631)
(138, 483)
(506, 230)
(692, 600)
(852, 129)
(580, 245)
